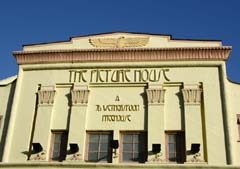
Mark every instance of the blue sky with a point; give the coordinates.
(28, 21)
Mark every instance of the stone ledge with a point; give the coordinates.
(66, 165)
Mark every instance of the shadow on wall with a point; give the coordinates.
(181, 106)
(7, 118)
(145, 104)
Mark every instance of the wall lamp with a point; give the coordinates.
(73, 147)
(195, 148)
(114, 144)
(37, 147)
(156, 148)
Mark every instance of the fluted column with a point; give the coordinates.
(155, 96)
(77, 133)
(45, 96)
(193, 121)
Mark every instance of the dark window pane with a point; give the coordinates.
(172, 148)
(136, 147)
(135, 156)
(56, 147)
(171, 138)
(98, 148)
(59, 147)
(136, 138)
(172, 159)
(104, 147)
(103, 156)
(55, 155)
(127, 157)
(93, 138)
(93, 147)
(92, 156)
(127, 147)
(105, 138)
(57, 138)
(127, 138)
(175, 147)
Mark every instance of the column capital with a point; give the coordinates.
(79, 97)
(192, 94)
(46, 95)
(155, 95)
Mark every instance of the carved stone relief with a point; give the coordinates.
(196, 158)
(75, 157)
(79, 97)
(46, 96)
(120, 42)
(155, 96)
(192, 95)
(41, 156)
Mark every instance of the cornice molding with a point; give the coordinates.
(126, 54)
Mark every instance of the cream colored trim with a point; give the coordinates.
(8, 80)
(155, 96)
(192, 96)
(12, 121)
(192, 93)
(126, 54)
(46, 95)
(79, 97)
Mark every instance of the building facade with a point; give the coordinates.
(121, 99)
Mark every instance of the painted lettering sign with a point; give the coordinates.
(117, 108)
(118, 75)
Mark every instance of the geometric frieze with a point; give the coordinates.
(79, 97)
(155, 96)
(192, 95)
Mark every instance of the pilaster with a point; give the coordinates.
(45, 103)
(77, 133)
(155, 96)
(193, 122)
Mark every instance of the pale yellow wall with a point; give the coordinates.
(129, 94)
(234, 109)
(7, 87)
(106, 96)
(173, 108)
(155, 41)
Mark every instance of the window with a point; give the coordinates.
(98, 147)
(175, 147)
(238, 123)
(59, 145)
(133, 147)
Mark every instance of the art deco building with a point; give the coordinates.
(121, 100)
